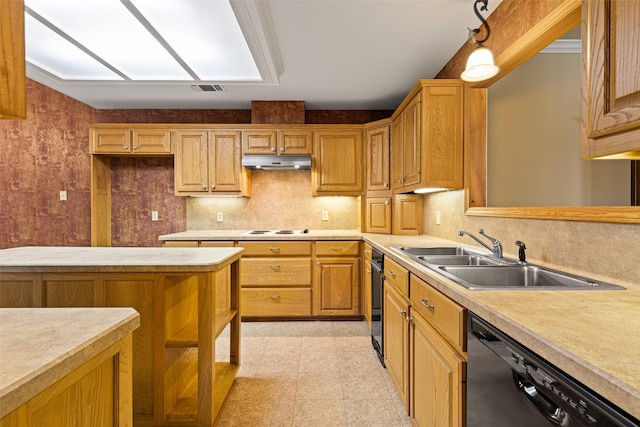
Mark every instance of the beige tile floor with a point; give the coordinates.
(315, 373)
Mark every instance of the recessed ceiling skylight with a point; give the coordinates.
(141, 40)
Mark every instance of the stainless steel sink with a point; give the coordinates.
(479, 270)
(415, 251)
(519, 277)
(457, 260)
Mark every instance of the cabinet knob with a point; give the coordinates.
(282, 149)
(391, 273)
(318, 263)
(135, 147)
(213, 186)
(204, 186)
(273, 148)
(386, 184)
(126, 147)
(425, 302)
(386, 202)
(403, 312)
(318, 186)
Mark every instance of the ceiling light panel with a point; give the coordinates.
(109, 30)
(54, 54)
(205, 34)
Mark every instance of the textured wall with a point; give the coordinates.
(49, 152)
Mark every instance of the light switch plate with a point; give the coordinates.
(220, 217)
(325, 215)
(154, 215)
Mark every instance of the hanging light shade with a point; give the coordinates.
(480, 66)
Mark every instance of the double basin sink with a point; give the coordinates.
(477, 270)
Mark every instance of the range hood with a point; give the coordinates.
(276, 163)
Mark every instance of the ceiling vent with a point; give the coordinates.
(208, 88)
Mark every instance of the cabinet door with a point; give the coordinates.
(225, 161)
(412, 143)
(378, 147)
(151, 141)
(336, 286)
(259, 142)
(110, 141)
(408, 214)
(437, 375)
(396, 341)
(397, 149)
(295, 142)
(337, 163)
(611, 87)
(377, 215)
(13, 81)
(366, 285)
(191, 170)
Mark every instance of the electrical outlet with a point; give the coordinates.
(438, 217)
(63, 195)
(154, 215)
(220, 217)
(325, 215)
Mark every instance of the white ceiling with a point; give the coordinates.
(332, 54)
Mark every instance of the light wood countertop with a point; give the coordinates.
(593, 335)
(115, 259)
(40, 346)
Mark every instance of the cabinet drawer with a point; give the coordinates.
(276, 302)
(439, 310)
(275, 248)
(337, 248)
(275, 271)
(180, 244)
(396, 275)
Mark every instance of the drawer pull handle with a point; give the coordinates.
(275, 267)
(392, 273)
(275, 297)
(425, 302)
(336, 249)
(276, 249)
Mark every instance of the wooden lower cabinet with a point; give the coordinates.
(98, 393)
(437, 375)
(366, 283)
(396, 340)
(336, 284)
(424, 349)
(275, 277)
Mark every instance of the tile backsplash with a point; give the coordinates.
(279, 200)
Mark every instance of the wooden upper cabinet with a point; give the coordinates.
(377, 216)
(130, 141)
(426, 137)
(337, 163)
(13, 78)
(610, 79)
(285, 142)
(377, 140)
(191, 165)
(295, 142)
(259, 142)
(151, 141)
(208, 162)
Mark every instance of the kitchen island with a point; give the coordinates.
(185, 297)
(65, 367)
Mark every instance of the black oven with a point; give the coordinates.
(377, 282)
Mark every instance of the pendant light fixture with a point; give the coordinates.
(480, 65)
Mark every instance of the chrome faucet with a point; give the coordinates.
(497, 246)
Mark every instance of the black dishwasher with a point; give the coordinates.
(509, 385)
(377, 282)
